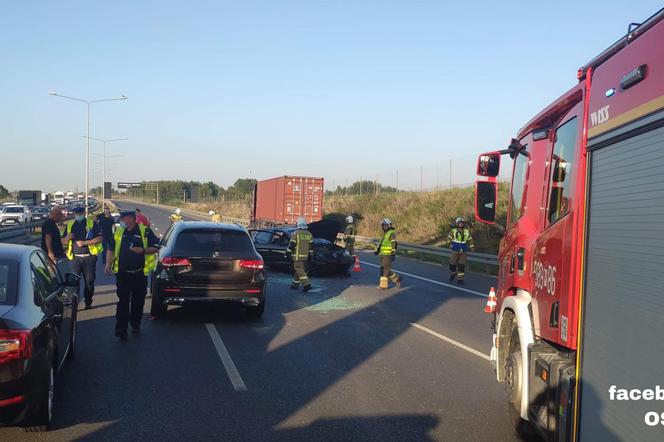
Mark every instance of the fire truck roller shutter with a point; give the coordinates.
(623, 322)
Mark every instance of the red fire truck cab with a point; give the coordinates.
(580, 292)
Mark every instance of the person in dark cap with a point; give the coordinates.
(83, 238)
(131, 257)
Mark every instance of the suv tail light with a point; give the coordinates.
(15, 345)
(254, 264)
(175, 262)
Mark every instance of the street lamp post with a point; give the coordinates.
(103, 141)
(87, 152)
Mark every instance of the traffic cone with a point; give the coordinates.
(491, 302)
(356, 267)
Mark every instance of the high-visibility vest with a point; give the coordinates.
(176, 218)
(150, 260)
(301, 239)
(386, 247)
(459, 239)
(216, 218)
(95, 249)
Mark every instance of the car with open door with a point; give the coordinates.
(326, 257)
(38, 308)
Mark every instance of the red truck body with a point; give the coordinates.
(283, 200)
(577, 291)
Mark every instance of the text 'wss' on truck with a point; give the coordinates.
(580, 306)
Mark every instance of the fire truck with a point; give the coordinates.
(579, 311)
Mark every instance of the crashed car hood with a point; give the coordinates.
(326, 229)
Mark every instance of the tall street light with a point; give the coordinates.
(103, 141)
(87, 152)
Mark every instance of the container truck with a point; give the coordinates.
(282, 200)
(579, 315)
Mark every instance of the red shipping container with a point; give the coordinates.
(284, 199)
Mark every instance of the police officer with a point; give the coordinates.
(460, 242)
(176, 216)
(387, 250)
(214, 216)
(83, 238)
(349, 235)
(299, 247)
(131, 257)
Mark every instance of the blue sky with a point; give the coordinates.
(333, 89)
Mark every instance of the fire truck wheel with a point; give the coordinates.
(513, 384)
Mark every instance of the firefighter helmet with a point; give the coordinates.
(459, 220)
(349, 219)
(178, 211)
(301, 223)
(386, 222)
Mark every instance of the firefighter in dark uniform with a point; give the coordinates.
(460, 242)
(299, 247)
(349, 235)
(131, 257)
(83, 237)
(387, 250)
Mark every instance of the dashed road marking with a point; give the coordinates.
(229, 365)
(432, 281)
(452, 341)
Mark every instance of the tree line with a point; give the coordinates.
(173, 192)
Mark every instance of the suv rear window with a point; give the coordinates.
(7, 282)
(208, 242)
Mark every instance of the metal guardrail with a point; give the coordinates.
(18, 233)
(483, 258)
(199, 215)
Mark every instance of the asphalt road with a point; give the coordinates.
(343, 362)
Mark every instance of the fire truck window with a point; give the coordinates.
(518, 187)
(560, 186)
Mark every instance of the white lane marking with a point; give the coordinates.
(229, 365)
(432, 281)
(452, 341)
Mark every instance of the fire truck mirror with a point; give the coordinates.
(488, 165)
(485, 201)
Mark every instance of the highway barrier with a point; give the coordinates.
(192, 213)
(481, 258)
(20, 233)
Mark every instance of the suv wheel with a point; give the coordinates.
(157, 308)
(256, 312)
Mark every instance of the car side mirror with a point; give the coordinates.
(485, 201)
(72, 280)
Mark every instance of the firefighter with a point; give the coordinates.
(131, 257)
(460, 242)
(349, 235)
(214, 216)
(176, 216)
(299, 247)
(387, 250)
(83, 238)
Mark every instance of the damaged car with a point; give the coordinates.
(326, 257)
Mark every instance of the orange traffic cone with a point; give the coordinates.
(356, 267)
(491, 302)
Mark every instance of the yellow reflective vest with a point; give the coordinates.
(150, 260)
(95, 249)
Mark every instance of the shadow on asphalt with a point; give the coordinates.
(166, 384)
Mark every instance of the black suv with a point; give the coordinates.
(208, 262)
